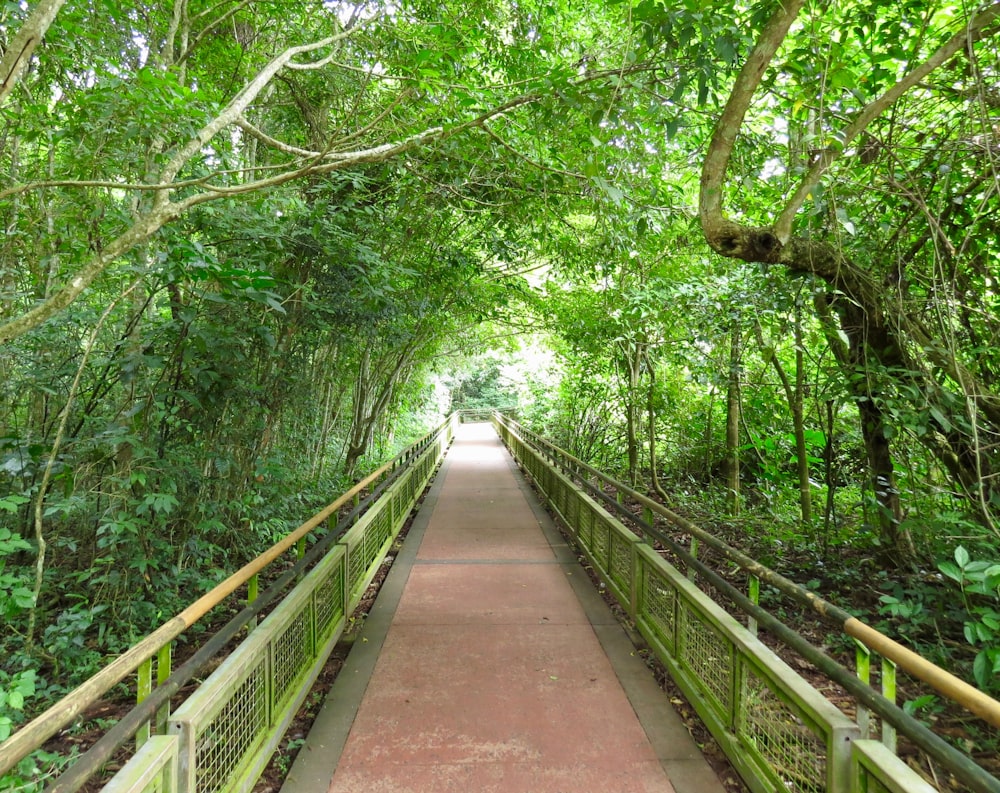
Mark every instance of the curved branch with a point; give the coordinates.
(238, 105)
(724, 235)
(166, 211)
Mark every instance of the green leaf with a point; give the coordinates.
(949, 569)
(940, 418)
(982, 669)
(961, 556)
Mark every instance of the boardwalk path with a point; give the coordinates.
(490, 664)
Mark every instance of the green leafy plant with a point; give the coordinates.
(14, 691)
(15, 594)
(979, 581)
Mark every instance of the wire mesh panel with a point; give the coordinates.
(221, 727)
(381, 531)
(708, 656)
(291, 655)
(153, 769)
(573, 511)
(791, 748)
(561, 496)
(599, 542)
(657, 605)
(586, 525)
(328, 597)
(356, 561)
(621, 562)
(401, 497)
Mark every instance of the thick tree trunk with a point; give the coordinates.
(896, 541)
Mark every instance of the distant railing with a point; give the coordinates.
(479, 415)
(779, 732)
(222, 737)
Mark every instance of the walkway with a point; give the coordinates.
(489, 663)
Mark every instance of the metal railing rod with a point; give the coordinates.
(956, 689)
(41, 728)
(964, 768)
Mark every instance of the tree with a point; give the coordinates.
(887, 339)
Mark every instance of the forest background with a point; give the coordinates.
(743, 255)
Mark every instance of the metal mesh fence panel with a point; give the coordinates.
(356, 563)
(790, 747)
(329, 603)
(562, 495)
(573, 510)
(291, 655)
(586, 530)
(382, 530)
(708, 656)
(658, 604)
(401, 498)
(599, 542)
(232, 735)
(621, 562)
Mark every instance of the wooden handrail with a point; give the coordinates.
(41, 728)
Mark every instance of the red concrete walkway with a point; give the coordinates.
(490, 675)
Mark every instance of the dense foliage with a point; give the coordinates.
(250, 244)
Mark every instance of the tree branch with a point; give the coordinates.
(723, 235)
(974, 30)
(17, 56)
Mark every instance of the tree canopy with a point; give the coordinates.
(250, 244)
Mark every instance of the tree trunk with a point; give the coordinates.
(654, 476)
(732, 463)
(794, 396)
(829, 513)
(632, 364)
(858, 370)
(799, 428)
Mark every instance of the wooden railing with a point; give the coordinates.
(223, 735)
(779, 732)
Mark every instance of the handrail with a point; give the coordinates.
(959, 764)
(956, 689)
(104, 748)
(42, 727)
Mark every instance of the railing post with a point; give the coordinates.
(253, 589)
(753, 592)
(693, 550)
(889, 692)
(863, 663)
(144, 688)
(164, 666)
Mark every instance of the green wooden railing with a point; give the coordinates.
(222, 736)
(779, 732)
